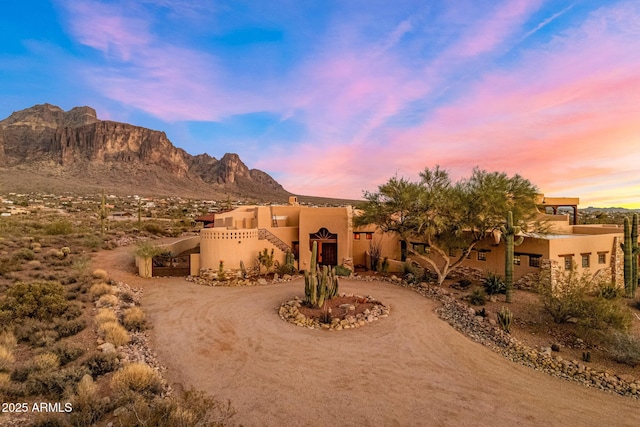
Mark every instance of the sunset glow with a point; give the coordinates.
(333, 98)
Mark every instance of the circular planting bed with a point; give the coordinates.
(345, 311)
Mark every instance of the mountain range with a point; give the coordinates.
(44, 148)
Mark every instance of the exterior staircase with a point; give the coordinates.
(264, 234)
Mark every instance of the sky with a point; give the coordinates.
(333, 98)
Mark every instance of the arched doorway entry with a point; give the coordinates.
(327, 246)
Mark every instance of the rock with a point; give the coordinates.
(545, 351)
(107, 348)
(262, 281)
(287, 277)
(555, 347)
(493, 298)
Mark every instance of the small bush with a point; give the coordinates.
(46, 362)
(25, 254)
(478, 297)
(463, 284)
(114, 333)
(494, 285)
(127, 297)
(67, 328)
(54, 383)
(137, 377)
(61, 227)
(193, 408)
(105, 315)
(100, 274)
(102, 363)
(37, 300)
(67, 352)
(21, 374)
(73, 311)
(107, 301)
(608, 290)
(100, 289)
(6, 358)
(625, 349)
(88, 409)
(8, 340)
(43, 338)
(341, 270)
(134, 319)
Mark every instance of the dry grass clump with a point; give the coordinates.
(105, 315)
(46, 362)
(54, 253)
(99, 274)
(6, 358)
(8, 340)
(134, 319)
(88, 409)
(114, 333)
(137, 377)
(107, 301)
(4, 379)
(99, 289)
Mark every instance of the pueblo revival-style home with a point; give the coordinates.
(240, 234)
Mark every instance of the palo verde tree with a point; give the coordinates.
(447, 215)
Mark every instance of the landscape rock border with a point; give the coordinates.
(464, 319)
(289, 311)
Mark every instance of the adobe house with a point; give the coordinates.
(240, 234)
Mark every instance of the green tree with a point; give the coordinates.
(448, 215)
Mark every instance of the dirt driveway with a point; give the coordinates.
(408, 369)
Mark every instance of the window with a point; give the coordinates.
(421, 248)
(516, 260)
(356, 236)
(602, 257)
(368, 236)
(568, 262)
(586, 260)
(534, 261)
(482, 255)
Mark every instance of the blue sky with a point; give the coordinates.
(332, 98)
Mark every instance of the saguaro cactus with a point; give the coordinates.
(509, 231)
(630, 249)
(319, 285)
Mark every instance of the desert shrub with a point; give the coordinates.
(4, 380)
(93, 243)
(99, 289)
(463, 284)
(6, 358)
(341, 270)
(127, 297)
(608, 290)
(61, 227)
(625, 348)
(43, 338)
(134, 319)
(478, 297)
(191, 409)
(99, 274)
(20, 374)
(8, 340)
(74, 310)
(54, 383)
(107, 301)
(67, 328)
(88, 409)
(114, 333)
(137, 377)
(105, 315)
(567, 298)
(54, 253)
(37, 300)
(25, 254)
(493, 284)
(505, 316)
(67, 352)
(153, 228)
(46, 361)
(102, 363)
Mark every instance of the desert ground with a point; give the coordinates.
(408, 369)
